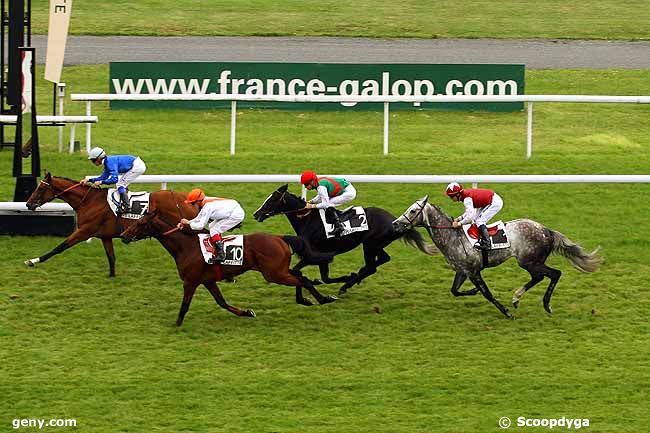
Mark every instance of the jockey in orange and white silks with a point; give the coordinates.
(330, 192)
(217, 214)
(481, 205)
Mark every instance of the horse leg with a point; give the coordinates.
(459, 279)
(535, 277)
(325, 275)
(70, 241)
(216, 294)
(485, 291)
(372, 259)
(554, 275)
(110, 255)
(300, 299)
(316, 294)
(275, 275)
(188, 292)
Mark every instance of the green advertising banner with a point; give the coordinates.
(316, 79)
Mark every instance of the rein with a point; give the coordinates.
(58, 195)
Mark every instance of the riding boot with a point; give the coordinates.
(219, 253)
(333, 215)
(484, 238)
(124, 202)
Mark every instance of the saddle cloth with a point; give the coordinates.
(138, 201)
(234, 246)
(496, 230)
(353, 220)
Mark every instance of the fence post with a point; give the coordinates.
(233, 125)
(529, 131)
(88, 113)
(60, 91)
(386, 117)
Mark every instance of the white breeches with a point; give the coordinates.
(224, 224)
(126, 178)
(348, 194)
(485, 214)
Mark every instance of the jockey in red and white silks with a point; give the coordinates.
(481, 205)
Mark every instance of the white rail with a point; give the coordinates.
(164, 180)
(386, 100)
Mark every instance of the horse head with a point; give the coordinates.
(280, 201)
(412, 217)
(145, 227)
(43, 193)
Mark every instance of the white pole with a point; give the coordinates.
(73, 128)
(163, 186)
(529, 132)
(88, 113)
(386, 128)
(233, 125)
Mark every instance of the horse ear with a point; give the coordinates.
(283, 188)
(47, 174)
(425, 199)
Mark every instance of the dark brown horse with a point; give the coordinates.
(95, 217)
(268, 254)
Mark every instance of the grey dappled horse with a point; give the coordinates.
(530, 243)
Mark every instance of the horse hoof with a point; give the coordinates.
(548, 309)
(343, 291)
(330, 298)
(30, 263)
(515, 303)
(250, 313)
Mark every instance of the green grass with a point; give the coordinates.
(398, 353)
(595, 19)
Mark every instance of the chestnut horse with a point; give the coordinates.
(268, 254)
(95, 217)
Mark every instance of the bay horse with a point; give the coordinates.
(308, 224)
(268, 254)
(531, 243)
(94, 216)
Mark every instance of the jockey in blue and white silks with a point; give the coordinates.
(120, 170)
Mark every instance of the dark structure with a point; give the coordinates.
(16, 37)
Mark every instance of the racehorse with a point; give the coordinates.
(268, 254)
(530, 243)
(94, 216)
(308, 224)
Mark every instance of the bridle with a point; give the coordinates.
(282, 200)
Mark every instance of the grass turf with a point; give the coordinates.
(398, 353)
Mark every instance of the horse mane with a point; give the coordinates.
(66, 178)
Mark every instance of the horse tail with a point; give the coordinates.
(579, 258)
(413, 238)
(302, 247)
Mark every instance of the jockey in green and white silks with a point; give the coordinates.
(330, 192)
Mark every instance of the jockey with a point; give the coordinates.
(118, 169)
(331, 192)
(480, 206)
(218, 214)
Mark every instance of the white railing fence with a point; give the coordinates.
(474, 179)
(386, 100)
